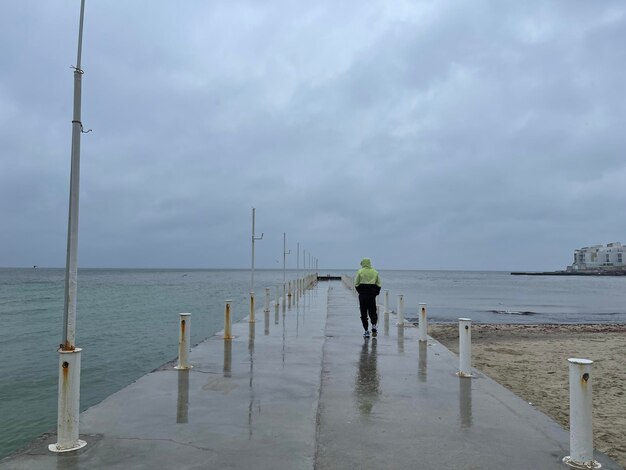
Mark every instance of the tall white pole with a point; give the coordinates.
(252, 269)
(284, 258)
(285, 253)
(252, 275)
(71, 264)
(69, 354)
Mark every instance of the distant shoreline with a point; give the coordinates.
(568, 273)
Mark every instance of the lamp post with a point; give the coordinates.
(69, 354)
(285, 253)
(254, 238)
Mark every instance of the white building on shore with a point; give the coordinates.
(599, 257)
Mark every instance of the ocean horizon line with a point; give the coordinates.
(320, 271)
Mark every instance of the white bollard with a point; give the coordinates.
(227, 320)
(580, 415)
(69, 402)
(266, 307)
(184, 343)
(465, 347)
(386, 312)
(423, 323)
(252, 320)
(400, 310)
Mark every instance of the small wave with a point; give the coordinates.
(512, 312)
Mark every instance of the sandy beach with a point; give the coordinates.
(531, 361)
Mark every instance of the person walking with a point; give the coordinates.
(367, 284)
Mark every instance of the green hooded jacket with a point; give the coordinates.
(366, 278)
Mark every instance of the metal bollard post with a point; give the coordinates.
(386, 312)
(227, 320)
(580, 415)
(252, 320)
(423, 323)
(184, 343)
(400, 310)
(69, 402)
(266, 307)
(465, 347)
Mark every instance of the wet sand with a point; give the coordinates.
(531, 361)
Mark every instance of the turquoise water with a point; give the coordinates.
(127, 321)
(127, 325)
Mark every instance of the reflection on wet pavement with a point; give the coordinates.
(250, 380)
(400, 339)
(422, 361)
(228, 351)
(386, 324)
(251, 351)
(182, 404)
(251, 335)
(367, 385)
(465, 401)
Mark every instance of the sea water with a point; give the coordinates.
(127, 321)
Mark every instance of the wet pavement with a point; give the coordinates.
(303, 389)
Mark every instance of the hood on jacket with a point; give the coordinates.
(366, 263)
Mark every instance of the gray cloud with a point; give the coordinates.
(424, 135)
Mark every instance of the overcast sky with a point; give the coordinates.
(424, 134)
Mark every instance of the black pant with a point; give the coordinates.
(367, 304)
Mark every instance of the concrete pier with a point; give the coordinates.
(309, 392)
